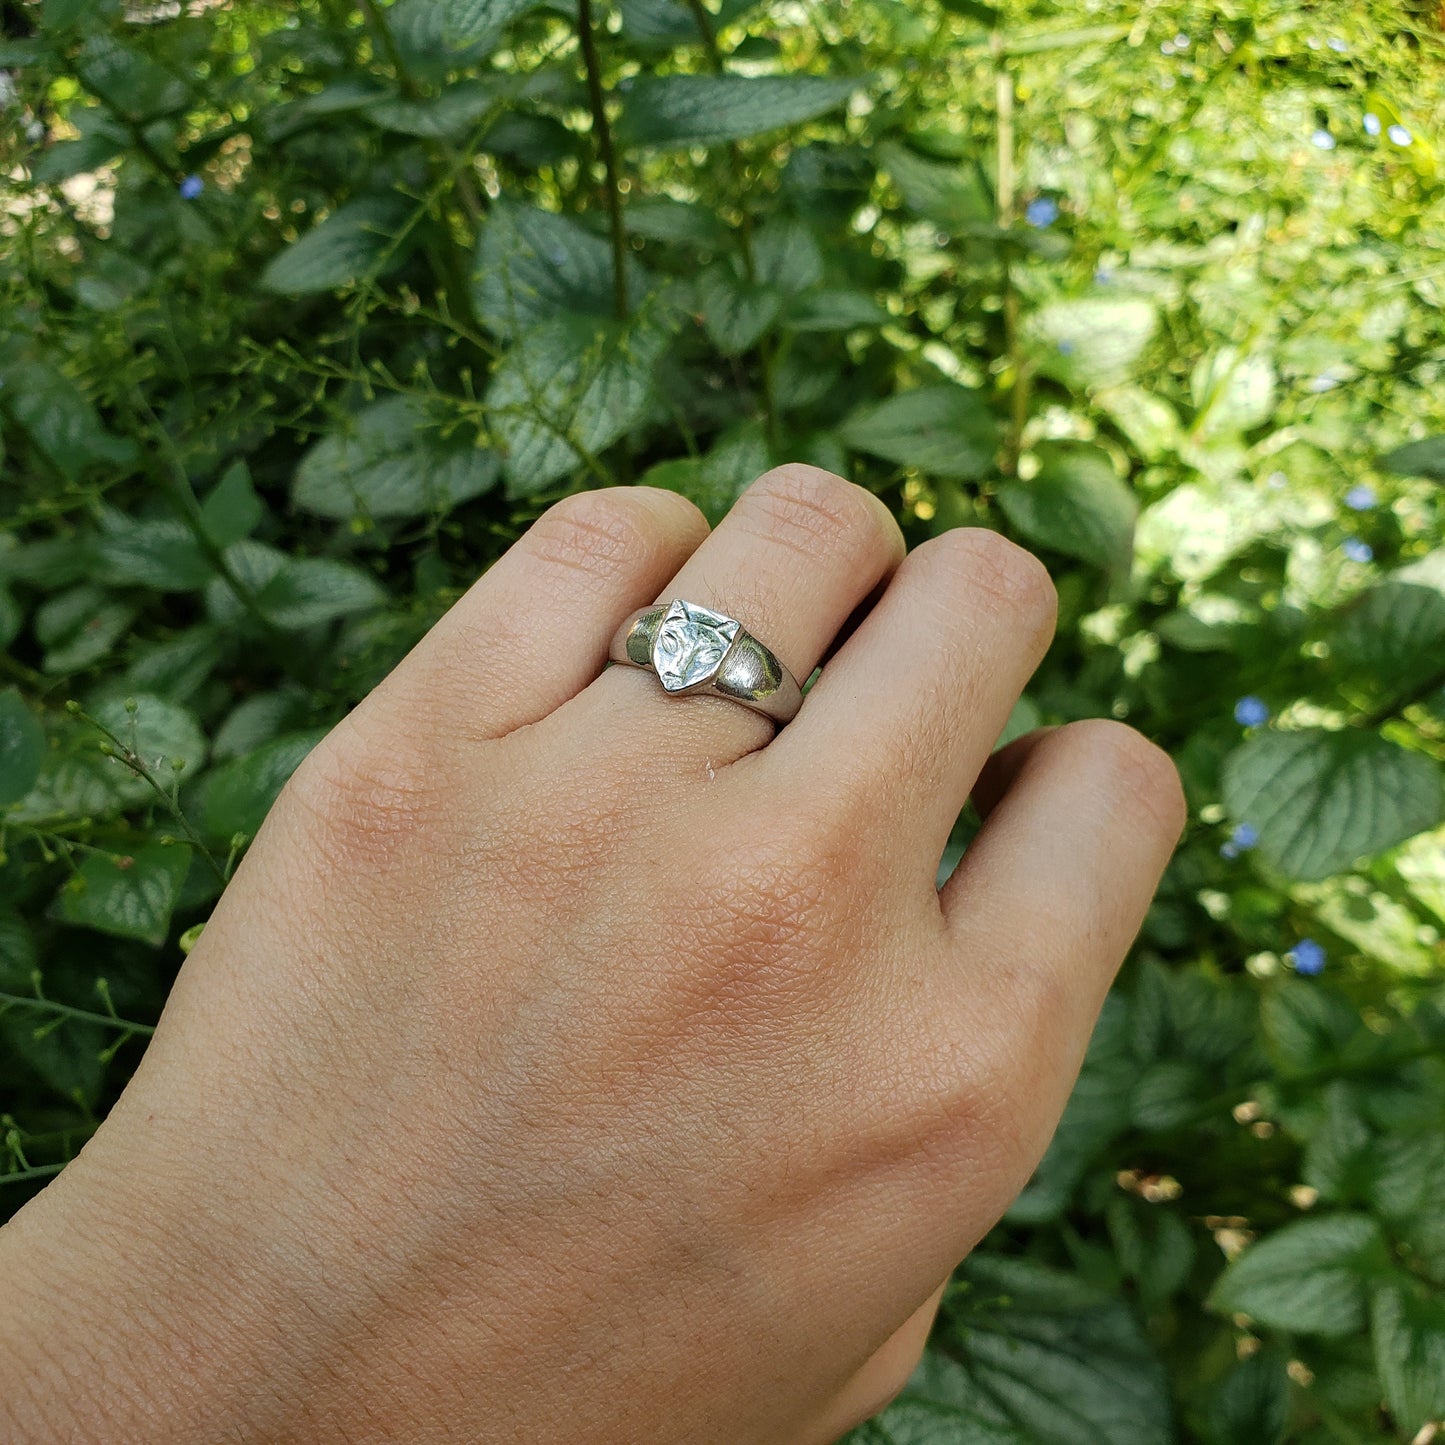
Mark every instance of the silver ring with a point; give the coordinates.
(692, 649)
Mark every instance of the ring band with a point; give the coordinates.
(692, 649)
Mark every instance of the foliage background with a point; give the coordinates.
(310, 308)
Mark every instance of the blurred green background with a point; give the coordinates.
(308, 309)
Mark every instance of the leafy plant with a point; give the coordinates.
(310, 308)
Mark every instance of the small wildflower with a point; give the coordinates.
(1245, 836)
(1166, 47)
(191, 187)
(1323, 139)
(1321, 383)
(1276, 481)
(1181, 41)
(1308, 957)
(1313, 42)
(1251, 712)
(1066, 348)
(1372, 123)
(1400, 135)
(1103, 276)
(1042, 212)
(1357, 550)
(1360, 498)
(1337, 45)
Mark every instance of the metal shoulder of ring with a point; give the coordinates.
(748, 672)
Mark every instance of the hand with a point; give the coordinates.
(567, 1062)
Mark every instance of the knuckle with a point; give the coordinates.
(597, 533)
(1141, 773)
(1012, 577)
(812, 510)
(366, 800)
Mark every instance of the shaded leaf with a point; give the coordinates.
(674, 111)
(390, 460)
(946, 430)
(1092, 341)
(131, 895)
(22, 747)
(1407, 1328)
(352, 242)
(1424, 458)
(569, 388)
(1077, 504)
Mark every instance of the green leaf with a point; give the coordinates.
(351, 243)
(1407, 1329)
(1153, 1245)
(1395, 632)
(736, 312)
(715, 481)
(235, 797)
(1076, 504)
(22, 747)
(80, 626)
(786, 255)
(451, 114)
(130, 895)
(160, 553)
(1232, 393)
(567, 388)
(1029, 1355)
(1091, 341)
(840, 308)
(951, 195)
(160, 733)
(232, 510)
(1320, 800)
(534, 266)
(663, 24)
(292, 592)
(1312, 1276)
(675, 111)
(465, 21)
(947, 431)
(390, 460)
(1251, 1403)
(1307, 1027)
(1424, 458)
(60, 420)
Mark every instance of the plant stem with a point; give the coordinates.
(20, 1000)
(1434, 683)
(1004, 199)
(36, 1171)
(766, 356)
(603, 132)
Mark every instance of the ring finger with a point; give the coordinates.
(798, 553)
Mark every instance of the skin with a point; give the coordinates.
(567, 1062)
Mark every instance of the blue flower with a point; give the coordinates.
(1399, 135)
(1251, 712)
(1372, 123)
(1103, 276)
(1244, 837)
(1358, 551)
(191, 187)
(1042, 212)
(1360, 498)
(1337, 45)
(1323, 139)
(1066, 348)
(1308, 957)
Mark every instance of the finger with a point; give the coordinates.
(798, 552)
(533, 631)
(1002, 768)
(882, 1377)
(1050, 894)
(905, 714)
